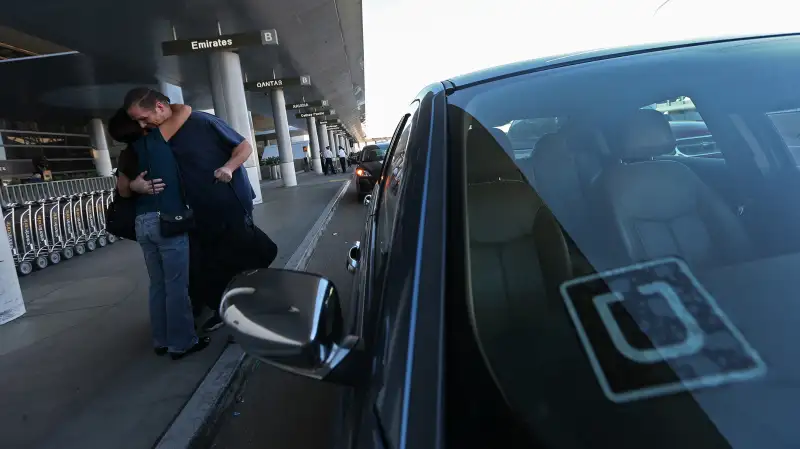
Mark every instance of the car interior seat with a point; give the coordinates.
(518, 259)
(563, 166)
(661, 208)
(517, 254)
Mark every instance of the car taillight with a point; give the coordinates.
(361, 172)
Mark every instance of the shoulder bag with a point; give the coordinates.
(177, 224)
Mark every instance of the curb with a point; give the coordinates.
(194, 426)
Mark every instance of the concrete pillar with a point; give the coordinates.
(2, 148)
(332, 141)
(173, 92)
(322, 133)
(256, 157)
(230, 104)
(102, 159)
(284, 138)
(313, 142)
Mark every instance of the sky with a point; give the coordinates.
(409, 44)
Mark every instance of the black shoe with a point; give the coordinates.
(213, 323)
(201, 344)
(160, 351)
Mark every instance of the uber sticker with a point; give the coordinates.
(651, 329)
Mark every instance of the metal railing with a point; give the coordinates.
(38, 191)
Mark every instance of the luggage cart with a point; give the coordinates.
(78, 219)
(109, 199)
(100, 212)
(24, 267)
(55, 220)
(92, 232)
(25, 239)
(44, 254)
(68, 225)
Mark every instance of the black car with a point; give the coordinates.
(368, 168)
(600, 292)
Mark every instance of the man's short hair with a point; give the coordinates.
(144, 97)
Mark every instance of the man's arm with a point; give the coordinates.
(240, 151)
(180, 113)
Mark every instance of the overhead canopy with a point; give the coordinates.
(120, 46)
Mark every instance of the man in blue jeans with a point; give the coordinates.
(210, 155)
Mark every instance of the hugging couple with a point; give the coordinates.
(194, 207)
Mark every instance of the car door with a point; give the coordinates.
(391, 274)
(361, 429)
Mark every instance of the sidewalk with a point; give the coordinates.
(77, 371)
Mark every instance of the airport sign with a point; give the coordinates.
(219, 43)
(308, 104)
(278, 83)
(314, 114)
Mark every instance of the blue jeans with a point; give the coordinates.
(167, 260)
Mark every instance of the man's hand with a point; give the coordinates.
(145, 187)
(223, 174)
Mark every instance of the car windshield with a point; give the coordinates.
(630, 278)
(374, 153)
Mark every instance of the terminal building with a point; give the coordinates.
(75, 367)
(241, 60)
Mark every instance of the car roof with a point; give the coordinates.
(517, 68)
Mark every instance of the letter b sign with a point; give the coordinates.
(269, 37)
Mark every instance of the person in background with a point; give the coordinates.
(329, 161)
(210, 155)
(147, 169)
(343, 159)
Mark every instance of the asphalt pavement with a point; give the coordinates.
(77, 371)
(277, 410)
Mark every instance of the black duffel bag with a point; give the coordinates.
(121, 217)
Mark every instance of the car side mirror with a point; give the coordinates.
(367, 199)
(289, 319)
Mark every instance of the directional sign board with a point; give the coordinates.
(308, 104)
(314, 114)
(268, 84)
(219, 43)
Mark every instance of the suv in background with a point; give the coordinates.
(369, 168)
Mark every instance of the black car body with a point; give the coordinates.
(601, 291)
(368, 168)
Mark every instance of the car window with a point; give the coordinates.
(396, 258)
(373, 153)
(618, 295)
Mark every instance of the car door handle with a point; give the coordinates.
(352, 257)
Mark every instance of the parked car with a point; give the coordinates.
(368, 168)
(591, 295)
